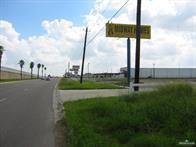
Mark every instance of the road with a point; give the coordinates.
(26, 114)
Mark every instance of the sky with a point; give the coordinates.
(51, 32)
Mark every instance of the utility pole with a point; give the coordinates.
(83, 55)
(138, 36)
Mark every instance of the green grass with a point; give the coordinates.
(160, 118)
(68, 84)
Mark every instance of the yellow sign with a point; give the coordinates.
(127, 31)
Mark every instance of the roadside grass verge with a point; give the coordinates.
(162, 118)
(69, 84)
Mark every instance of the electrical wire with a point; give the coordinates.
(107, 21)
(118, 10)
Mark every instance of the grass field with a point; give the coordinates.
(162, 118)
(68, 84)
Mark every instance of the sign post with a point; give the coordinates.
(129, 31)
(128, 60)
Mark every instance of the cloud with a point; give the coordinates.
(8, 32)
(172, 44)
(57, 45)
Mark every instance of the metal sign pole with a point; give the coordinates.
(128, 61)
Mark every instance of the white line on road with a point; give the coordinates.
(2, 100)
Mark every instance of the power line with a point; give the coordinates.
(107, 21)
(95, 35)
(118, 10)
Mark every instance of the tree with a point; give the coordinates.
(21, 62)
(1, 53)
(42, 69)
(45, 71)
(31, 67)
(38, 67)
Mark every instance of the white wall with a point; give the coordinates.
(166, 72)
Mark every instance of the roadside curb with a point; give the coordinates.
(60, 132)
(57, 104)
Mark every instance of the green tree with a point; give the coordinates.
(42, 69)
(31, 67)
(38, 67)
(21, 63)
(1, 53)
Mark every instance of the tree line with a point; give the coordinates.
(31, 65)
(22, 63)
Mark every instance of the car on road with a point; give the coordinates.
(47, 79)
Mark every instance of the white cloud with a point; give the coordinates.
(173, 38)
(8, 31)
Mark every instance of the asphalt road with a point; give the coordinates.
(26, 114)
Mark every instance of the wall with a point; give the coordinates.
(9, 73)
(165, 72)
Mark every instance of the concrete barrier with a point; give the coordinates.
(9, 73)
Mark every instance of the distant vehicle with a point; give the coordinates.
(48, 78)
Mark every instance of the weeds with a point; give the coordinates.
(159, 118)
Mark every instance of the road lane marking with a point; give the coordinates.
(2, 100)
